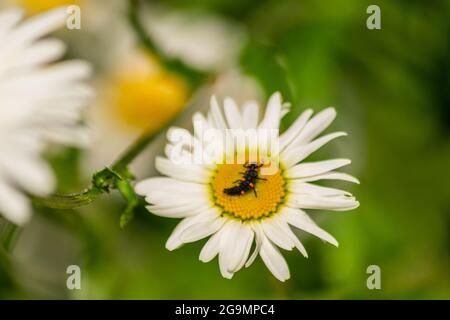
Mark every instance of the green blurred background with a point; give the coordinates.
(391, 88)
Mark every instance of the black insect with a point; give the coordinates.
(247, 182)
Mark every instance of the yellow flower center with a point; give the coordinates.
(246, 206)
(38, 6)
(150, 101)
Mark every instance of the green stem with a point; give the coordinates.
(8, 235)
(103, 180)
(69, 201)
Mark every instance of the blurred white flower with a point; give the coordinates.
(263, 211)
(40, 103)
(138, 96)
(205, 42)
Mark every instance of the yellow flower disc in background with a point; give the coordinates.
(38, 6)
(149, 101)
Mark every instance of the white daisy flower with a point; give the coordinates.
(265, 219)
(40, 102)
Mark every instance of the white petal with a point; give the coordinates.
(178, 135)
(30, 173)
(174, 240)
(293, 154)
(301, 220)
(276, 234)
(314, 168)
(299, 187)
(287, 230)
(169, 200)
(181, 211)
(274, 260)
(250, 115)
(285, 108)
(169, 186)
(33, 29)
(232, 114)
(335, 203)
(242, 245)
(216, 114)
(272, 116)
(186, 172)
(28, 88)
(65, 135)
(259, 235)
(180, 155)
(332, 175)
(200, 125)
(211, 248)
(43, 52)
(201, 230)
(8, 19)
(229, 233)
(295, 129)
(315, 126)
(13, 205)
(162, 195)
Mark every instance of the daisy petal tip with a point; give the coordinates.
(275, 99)
(277, 95)
(228, 100)
(58, 12)
(213, 100)
(345, 162)
(21, 219)
(284, 279)
(139, 188)
(173, 243)
(197, 116)
(333, 242)
(227, 275)
(331, 109)
(170, 247)
(149, 209)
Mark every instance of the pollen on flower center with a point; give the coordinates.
(270, 193)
